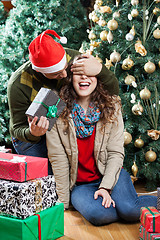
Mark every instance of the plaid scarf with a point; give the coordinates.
(85, 124)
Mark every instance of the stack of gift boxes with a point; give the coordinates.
(150, 221)
(28, 199)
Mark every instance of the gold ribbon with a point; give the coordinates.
(154, 134)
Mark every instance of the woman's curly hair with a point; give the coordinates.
(106, 103)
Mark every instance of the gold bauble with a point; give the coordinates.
(116, 14)
(115, 57)
(132, 31)
(134, 2)
(139, 143)
(95, 18)
(145, 94)
(156, 34)
(156, 10)
(137, 109)
(129, 79)
(158, 20)
(103, 35)
(99, 2)
(110, 37)
(134, 13)
(112, 24)
(149, 67)
(134, 169)
(102, 23)
(105, 9)
(91, 35)
(127, 138)
(150, 156)
(127, 63)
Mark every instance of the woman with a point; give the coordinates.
(85, 148)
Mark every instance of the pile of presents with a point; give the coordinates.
(28, 201)
(150, 221)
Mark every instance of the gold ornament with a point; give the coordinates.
(127, 63)
(127, 138)
(134, 169)
(116, 14)
(108, 64)
(103, 35)
(149, 67)
(158, 20)
(112, 24)
(154, 134)
(140, 48)
(134, 2)
(137, 109)
(115, 56)
(92, 35)
(150, 156)
(117, 2)
(159, 64)
(101, 22)
(105, 9)
(95, 18)
(139, 143)
(99, 2)
(134, 13)
(156, 10)
(94, 43)
(129, 79)
(96, 7)
(132, 31)
(110, 37)
(145, 94)
(88, 51)
(156, 34)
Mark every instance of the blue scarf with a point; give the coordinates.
(85, 124)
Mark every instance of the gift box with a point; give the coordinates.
(5, 150)
(25, 199)
(46, 225)
(22, 168)
(48, 104)
(150, 219)
(144, 235)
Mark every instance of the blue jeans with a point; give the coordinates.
(127, 202)
(32, 149)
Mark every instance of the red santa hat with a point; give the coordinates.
(47, 55)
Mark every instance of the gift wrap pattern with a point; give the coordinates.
(150, 219)
(25, 199)
(144, 235)
(46, 225)
(158, 199)
(22, 168)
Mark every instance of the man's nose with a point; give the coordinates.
(63, 74)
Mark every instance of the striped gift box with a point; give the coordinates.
(144, 235)
(150, 219)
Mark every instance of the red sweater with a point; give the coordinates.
(87, 169)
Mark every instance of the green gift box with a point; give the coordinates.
(45, 225)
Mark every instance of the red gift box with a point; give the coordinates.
(144, 235)
(150, 219)
(22, 168)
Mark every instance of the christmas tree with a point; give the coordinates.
(3, 14)
(25, 22)
(125, 35)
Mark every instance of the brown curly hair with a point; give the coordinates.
(106, 103)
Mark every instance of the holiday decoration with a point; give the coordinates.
(127, 63)
(150, 156)
(145, 94)
(103, 35)
(116, 14)
(132, 31)
(134, 2)
(156, 10)
(144, 235)
(101, 22)
(91, 35)
(158, 198)
(129, 79)
(115, 57)
(156, 33)
(127, 138)
(158, 20)
(137, 109)
(149, 67)
(134, 13)
(110, 37)
(129, 37)
(140, 48)
(108, 63)
(105, 9)
(112, 24)
(139, 143)
(154, 134)
(134, 169)
(150, 219)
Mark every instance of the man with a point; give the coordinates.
(46, 68)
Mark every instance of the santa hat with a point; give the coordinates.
(47, 55)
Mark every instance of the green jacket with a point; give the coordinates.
(24, 85)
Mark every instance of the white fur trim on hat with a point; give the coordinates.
(55, 68)
(63, 40)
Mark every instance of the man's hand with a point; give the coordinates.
(88, 66)
(107, 200)
(40, 128)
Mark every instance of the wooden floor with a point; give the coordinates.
(77, 228)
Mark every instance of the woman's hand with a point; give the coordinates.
(40, 128)
(107, 200)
